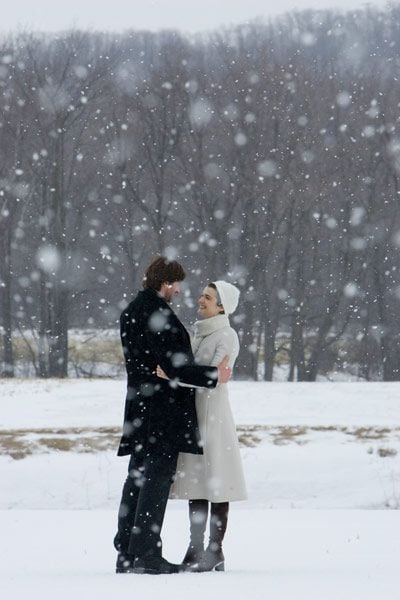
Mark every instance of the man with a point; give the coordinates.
(160, 416)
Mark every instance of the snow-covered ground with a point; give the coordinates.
(34, 403)
(270, 555)
(317, 447)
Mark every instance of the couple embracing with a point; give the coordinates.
(178, 426)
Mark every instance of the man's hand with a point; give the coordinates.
(224, 370)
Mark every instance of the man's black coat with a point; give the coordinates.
(160, 416)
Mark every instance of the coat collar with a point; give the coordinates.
(207, 326)
(154, 295)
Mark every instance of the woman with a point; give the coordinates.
(215, 477)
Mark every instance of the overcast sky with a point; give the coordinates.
(186, 15)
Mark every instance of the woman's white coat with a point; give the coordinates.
(217, 475)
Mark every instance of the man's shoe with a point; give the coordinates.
(155, 565)
(124, 563)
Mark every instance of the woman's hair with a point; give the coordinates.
(162, 270)
(219, 303)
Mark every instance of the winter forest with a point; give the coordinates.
(267, 154)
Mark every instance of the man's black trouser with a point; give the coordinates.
(144, 500)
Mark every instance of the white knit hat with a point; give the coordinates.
(229, 295)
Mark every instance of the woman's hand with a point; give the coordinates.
(161, 373)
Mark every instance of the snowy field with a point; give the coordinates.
(308, 451)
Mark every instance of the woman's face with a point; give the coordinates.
(207, 302)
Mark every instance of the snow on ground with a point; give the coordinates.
(321, 470)
(273, 555)
(315, 447)
(318, 445)
(77, 402)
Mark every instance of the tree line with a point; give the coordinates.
(267, 154)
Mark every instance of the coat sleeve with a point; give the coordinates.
(227, 345)
(165, 343)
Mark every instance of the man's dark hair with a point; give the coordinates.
(162, 270)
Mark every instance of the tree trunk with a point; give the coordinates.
(58, 351)
(58, 357)
(297, 349)
(8, 356)
(247, 361)
(391, 355)
(269, 350)
(390, 343)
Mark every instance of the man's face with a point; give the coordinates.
(170, 290)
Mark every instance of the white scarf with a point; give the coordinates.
(206, 327)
